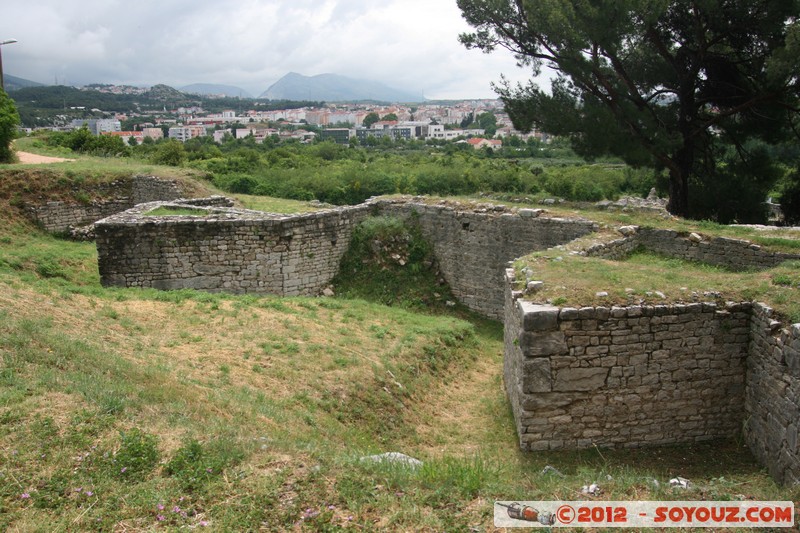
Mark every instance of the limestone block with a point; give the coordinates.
(536, 376)
(543, 344)
(538, 317)
(580, 379)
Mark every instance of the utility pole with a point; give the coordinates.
(9, 41)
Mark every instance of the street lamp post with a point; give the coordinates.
(9, 41)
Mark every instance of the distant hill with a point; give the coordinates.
(215, 89)
(335, 88)
(13, 83)
(165, 92)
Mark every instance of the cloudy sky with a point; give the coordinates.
(407, 44)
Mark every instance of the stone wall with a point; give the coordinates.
(772, 405)
(473, 246)
(622, 376)
(230, 250)
(734, 254)
(122, 194)
(248, 251)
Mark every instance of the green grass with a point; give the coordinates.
(575, 281)
(140, 410)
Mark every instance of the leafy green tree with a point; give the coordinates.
(171, 153)
(9, 120)
(466, 121)
(660, 83)
(488, 122)
(370, 119)
(390, 117)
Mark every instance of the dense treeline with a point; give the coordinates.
(340, 174)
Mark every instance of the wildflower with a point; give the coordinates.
(176, 509)
(203, 523)
(89, 493)
(331, 507)
(123, 469)
(79, 489)
(25, 496)
(160, 507)
(209, 470)
(160, 518)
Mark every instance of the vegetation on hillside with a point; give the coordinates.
(696, 88)
(137, 409)
(40, 106)
(9, 120)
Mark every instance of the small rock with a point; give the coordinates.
(552, 470)
(654, 482)
(529, 213)
(394, 457)
(695, 237)
(591, 490)
(328, 292)
(535, 286)
(628, 230)
(680, 483)
(449, 303)
(661, 295)
(601, 294)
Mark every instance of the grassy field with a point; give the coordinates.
(136, 410)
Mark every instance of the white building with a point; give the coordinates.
(184, 133)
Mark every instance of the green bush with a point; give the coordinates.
(194, 464)
(137, 455)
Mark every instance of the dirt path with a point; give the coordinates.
(26, 158)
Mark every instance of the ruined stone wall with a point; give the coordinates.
(734, 254)
(122, 194)
(772, 405)
(235, 251)
(624, 376)
(241, 251)
(473, 247)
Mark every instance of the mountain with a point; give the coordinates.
(335, 88)
(215, 89)
(13, 83)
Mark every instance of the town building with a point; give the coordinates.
(97, 125)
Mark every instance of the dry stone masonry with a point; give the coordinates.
(122, 194)
(618, 376)
(625, 376)
(253, 252)
(734, 254)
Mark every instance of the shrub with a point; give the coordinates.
(137, 455)
(194, 464)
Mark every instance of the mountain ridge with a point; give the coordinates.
(212, 89)
(335, 88)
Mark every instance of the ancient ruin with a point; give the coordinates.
(618, 376)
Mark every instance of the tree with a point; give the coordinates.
(9, 120)
(467, 120)
(660, 83)
(487, 122)
(390, 117)
(170, 152)
(370, 119)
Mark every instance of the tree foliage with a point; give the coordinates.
(661, 83)
(9, 120)
(370, 119)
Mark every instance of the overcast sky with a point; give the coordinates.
(407, 44)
